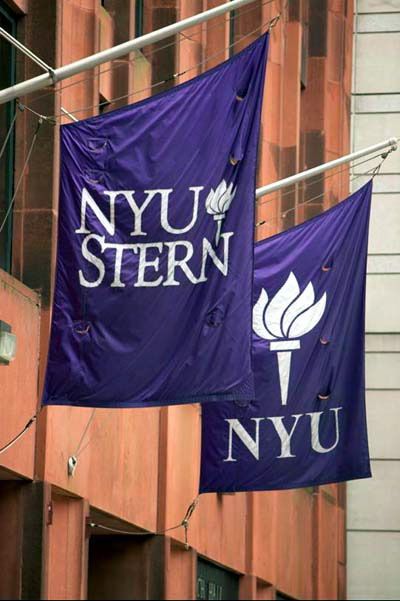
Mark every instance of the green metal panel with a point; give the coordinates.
(7, 78)
(216, 583)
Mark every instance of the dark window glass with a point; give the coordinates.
(139, 17)
(7, 112)
(304, 44)
(103, 104)
(163, 64)
(216, 583)
(232, 20)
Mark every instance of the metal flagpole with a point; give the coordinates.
(55, 75)
(390, 144)
(36, 59)
(7, 36)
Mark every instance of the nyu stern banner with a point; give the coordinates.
(307, 424)
(152, 299)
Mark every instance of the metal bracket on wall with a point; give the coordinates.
(49, 514)
(72, 464)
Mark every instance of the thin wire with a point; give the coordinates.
(283, 215)
(10, 129)
(321, 177)
(81, 451)
(98, 74)
(306, 202)
(210, 27)
(28, 156)
(117, 531)
(175, 75)
(317, 178)
(373, 171)
(20, 435)
(22, 107)
(78, 449)
(183, 524)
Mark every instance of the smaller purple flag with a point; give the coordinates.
(307, 425)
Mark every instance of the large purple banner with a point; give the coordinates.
(307, 424)
(154, 275)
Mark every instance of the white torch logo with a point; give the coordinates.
(218, 203)
(284, 319)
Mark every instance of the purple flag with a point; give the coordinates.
(152, 299)
(307, 425)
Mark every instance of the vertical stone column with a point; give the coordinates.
(373, 516)
(290, 129)
(67, 549)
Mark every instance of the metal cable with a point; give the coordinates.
(210, 27)
(8, 134)
(373, 171)
(318, 178)
(271, 23)
(183, 524)
(78, 449)
(28, 156)
(18, 436)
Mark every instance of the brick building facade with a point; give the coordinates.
(138, 469)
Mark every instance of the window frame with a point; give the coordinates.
(9, 154)
(232, 32)
(139, 18)
(215, 582)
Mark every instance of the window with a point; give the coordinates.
(164, 64)
(139, 14)
(103, 104)
(7, 78)
(232, 19)
(216, 583)
(304, 45)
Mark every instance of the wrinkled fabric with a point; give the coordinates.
(152, 300)
(307, 424)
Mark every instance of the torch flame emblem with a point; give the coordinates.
(284, 319)
(218, 203)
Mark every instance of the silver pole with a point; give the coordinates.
(68, 114)
(391, 143)
(7, 36)
(41, 81)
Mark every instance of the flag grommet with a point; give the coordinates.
(242, 403)
(94, 176)
(239, 98)
(324, 340)
(323, 397)
(215, 317)
(82, 329)
(233, 161)
(97, 144)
